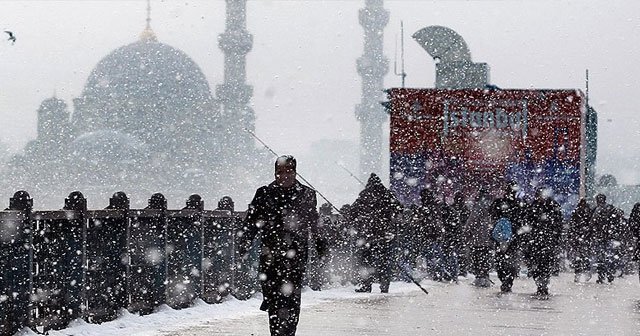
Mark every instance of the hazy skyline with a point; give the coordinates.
(302, 66)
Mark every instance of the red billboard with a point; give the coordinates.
(453, 140)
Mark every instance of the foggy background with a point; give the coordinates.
(302, 65)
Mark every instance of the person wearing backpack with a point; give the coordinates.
(544, 218)
(506, 212)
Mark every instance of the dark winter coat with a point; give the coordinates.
(373, 215)
(373, 212)
(480, 223)
(426, 224)
(544, 218)
(634, 226)
(455, 225)
(285, 218)
(580, 232)
(606, 221)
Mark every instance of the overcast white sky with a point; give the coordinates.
(302, 65)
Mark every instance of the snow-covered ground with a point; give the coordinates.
(449, 309)
(167, 319)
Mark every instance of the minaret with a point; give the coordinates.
(148, 34)
(372, 67)
(234, 94)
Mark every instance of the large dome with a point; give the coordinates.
(142, 88)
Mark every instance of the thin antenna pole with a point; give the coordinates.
(395, 58)
(403, 74)
(587, 84)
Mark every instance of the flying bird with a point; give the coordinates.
(12, 37)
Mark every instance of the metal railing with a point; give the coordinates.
(60, 265)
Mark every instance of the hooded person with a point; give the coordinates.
(373, 214)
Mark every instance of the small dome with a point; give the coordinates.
(109, 147)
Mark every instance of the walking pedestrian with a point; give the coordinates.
(481, 244)
(606, 220)
(544, 218)
(508, 209)
(284, 214)
(580, 239)
(634, 225)
(428, 234)
(374, 211)
(455, 225)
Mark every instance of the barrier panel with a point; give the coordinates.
(58, 256)
(218, 254)
(148, 263)
(15, 263)
(184, 257)
(106, 274)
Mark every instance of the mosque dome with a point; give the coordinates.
(143, 87)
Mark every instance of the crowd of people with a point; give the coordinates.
(443, 241)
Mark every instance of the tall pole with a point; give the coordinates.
(372, 67)
(234, 94)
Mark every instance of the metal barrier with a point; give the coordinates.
(77, 263)
(218, 254)
(15, 262)
(148, 263)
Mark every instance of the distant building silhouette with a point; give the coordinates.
(146, 119)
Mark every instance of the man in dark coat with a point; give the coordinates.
(544, 218)
(511, 208)
(480, 242)
(606, 220)
(373, 213)
(580, 239)
(634, 226)
(284, 214)
(454, 243)
(428, 231)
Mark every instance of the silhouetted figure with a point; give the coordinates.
(606, 221)
(480, 242)
(284, 214)
(544, 217)
(373, 213)
(634, 226)
(580, 239)
(317, 271)
(427, 230)
(454, 243)
(508, 207)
